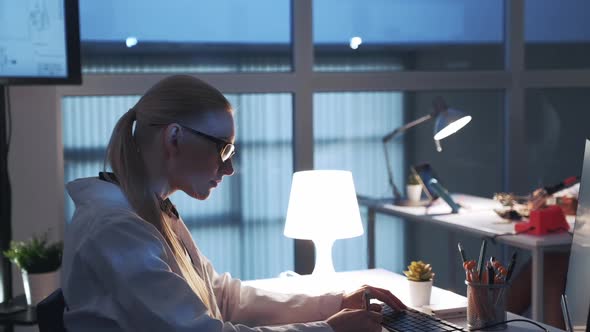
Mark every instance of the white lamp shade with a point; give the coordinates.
(449, 122)
(323, 205)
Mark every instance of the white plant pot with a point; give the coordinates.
(420, 292)
(39, 285)
(414, 192)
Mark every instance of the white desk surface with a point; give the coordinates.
(350, 281)
(476, 216)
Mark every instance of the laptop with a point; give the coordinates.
(576, 300)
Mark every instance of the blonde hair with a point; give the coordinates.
(173, 99)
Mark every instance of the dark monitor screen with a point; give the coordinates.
(578, 274)
(39, 42)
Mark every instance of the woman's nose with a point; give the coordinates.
(228, 167)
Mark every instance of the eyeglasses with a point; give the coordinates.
(226, 149)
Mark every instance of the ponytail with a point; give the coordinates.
(125, 158)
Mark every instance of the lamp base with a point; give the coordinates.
(323, 257)
(407, 202)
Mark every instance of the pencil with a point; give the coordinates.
(511, 267)
(461, 252)
(482, 254)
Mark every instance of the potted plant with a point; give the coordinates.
(39, 262)
(420, 277)
(413, 188)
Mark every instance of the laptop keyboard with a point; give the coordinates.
(411, 320)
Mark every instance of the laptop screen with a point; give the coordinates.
(578, 274)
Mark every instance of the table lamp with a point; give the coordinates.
(448, 121)
(323, 208)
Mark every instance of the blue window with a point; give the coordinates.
(244, 217)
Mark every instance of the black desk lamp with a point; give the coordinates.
(448, 122)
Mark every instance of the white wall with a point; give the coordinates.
(35, 167)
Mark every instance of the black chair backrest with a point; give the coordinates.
(50, 312)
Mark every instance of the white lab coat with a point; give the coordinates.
(117, 276)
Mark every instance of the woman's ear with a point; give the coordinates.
(172, 136)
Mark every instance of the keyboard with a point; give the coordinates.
(412, 320)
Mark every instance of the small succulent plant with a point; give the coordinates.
(413, 179)
(419, 271)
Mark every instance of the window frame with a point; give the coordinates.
(303, 82)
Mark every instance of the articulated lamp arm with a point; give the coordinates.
(448, 122)
(396, 194)
(407, 126)
(398, 131)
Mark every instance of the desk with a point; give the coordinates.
(350, 281)
(478, 219)
(26, 317)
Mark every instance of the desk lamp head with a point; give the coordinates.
(448, 120)
(323, 208)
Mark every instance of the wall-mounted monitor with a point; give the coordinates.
(39, 42)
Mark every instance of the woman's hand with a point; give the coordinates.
(354, 320)
(356, 300)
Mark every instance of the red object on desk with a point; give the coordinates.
(544, 221)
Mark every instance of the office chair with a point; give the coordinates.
(50, 312)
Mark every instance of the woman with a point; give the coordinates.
(130, 263)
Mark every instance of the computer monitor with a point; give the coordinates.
(39, 42)
(578, 274)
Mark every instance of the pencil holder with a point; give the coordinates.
(486, 305)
